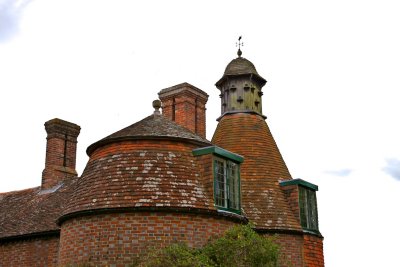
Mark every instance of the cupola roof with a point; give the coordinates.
(240, 66)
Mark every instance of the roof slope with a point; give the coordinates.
(152, 126)
(147, 164)
(32, 211)
(263, 200)
(240, 66)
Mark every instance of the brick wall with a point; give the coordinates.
(40, 252)
(206, 172)
(313, 251)
(116, 239)
(292, 196)
(291, 253)
(300, 250)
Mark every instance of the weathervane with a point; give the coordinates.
(239, 43)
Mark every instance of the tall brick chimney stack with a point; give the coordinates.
(60, 152)
(186, 105)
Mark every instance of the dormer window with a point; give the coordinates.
(308, 208)
(226, 184)
(226, 177)
(303, 198)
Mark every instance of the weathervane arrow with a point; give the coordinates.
(239, 43)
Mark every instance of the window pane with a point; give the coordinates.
(303, 207)
(220, 191)
(313, 222)
(226, 184)
(233, 178)
(308, 208)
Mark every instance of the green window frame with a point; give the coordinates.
(308, 209)
(227, 185)
(226, 170)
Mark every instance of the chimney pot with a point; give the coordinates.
(186, 105)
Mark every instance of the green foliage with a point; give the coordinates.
(240, 246)
(177, 255)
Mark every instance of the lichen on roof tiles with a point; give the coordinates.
(262, 198)
(32, 210)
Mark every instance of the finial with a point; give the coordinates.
(157, 106)
(239, 43)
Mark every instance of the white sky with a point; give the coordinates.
(331, 98)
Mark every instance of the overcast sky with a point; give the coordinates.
(331, 99)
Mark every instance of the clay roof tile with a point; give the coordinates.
(150, 127)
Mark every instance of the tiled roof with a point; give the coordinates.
(152, 126)
(32, 210)
(263, 200)
(147, 164)
(240, 66)
(138, 174)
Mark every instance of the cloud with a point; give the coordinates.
(341, 172)
(392, 168)
(10, 15)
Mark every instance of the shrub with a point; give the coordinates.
(240, 246)
(177, 255)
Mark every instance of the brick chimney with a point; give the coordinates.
(186, 105)
(60, 152)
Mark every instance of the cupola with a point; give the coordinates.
(240, 87)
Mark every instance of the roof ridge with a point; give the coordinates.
(19, 191)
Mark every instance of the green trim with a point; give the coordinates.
(219, 152)
(312, 231)
(240, 190)
(300, 182)
(226, 184)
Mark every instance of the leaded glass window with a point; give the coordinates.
(308, 208)
(227, 184)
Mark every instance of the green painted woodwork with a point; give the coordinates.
(227, 193)
(219, 152)
(300, 182)
(308, 209)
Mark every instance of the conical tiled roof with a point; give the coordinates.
(263, 200)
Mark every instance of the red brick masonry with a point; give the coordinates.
(119, 238)
(33, 252)
(313, 251)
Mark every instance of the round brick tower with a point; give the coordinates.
(270, 197)
(142, 188)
